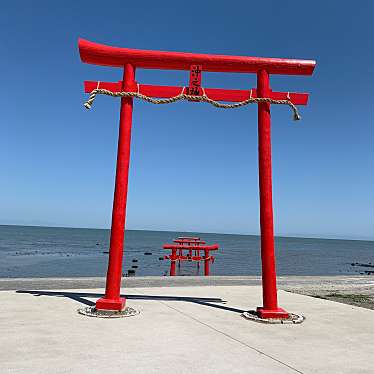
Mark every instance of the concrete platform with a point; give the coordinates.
(181, 330)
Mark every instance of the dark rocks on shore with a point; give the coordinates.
(368, 265)
(31, 253)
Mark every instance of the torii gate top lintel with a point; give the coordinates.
(100, 54)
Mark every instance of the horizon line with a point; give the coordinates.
(201, 232)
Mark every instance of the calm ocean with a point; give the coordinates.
(64, 252)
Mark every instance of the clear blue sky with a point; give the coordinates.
(58, 159)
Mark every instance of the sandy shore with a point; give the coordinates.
(358, 291)
(353, 290)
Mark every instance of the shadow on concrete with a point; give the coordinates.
(80, 297)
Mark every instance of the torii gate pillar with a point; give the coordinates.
(270, 307)
(112, 299)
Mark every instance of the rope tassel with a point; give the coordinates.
(90, 100)
(183, 96)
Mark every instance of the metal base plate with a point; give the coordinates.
(292, 319)
(93, 312)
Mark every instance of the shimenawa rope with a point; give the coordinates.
(183, 96)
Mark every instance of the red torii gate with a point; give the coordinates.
(129, 60)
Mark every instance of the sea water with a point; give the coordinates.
(27, 251)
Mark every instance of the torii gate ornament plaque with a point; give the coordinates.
(128, 88)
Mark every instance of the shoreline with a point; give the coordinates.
(355, 290)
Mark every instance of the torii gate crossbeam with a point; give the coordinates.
(129, 60)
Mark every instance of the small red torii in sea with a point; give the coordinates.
(131, 59)
(191, 244)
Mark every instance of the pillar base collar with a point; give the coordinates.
(272, 313)
(110, 304)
